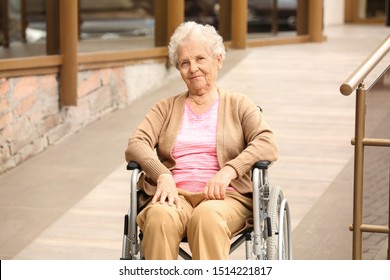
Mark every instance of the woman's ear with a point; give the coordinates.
(219, 60)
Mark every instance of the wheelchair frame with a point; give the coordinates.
(270, 237)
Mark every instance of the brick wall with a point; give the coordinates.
(31, 118)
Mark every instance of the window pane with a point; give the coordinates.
(29, 39)
(373, 9)
(116, 24)
(202, 11)
(103, 25)
(270, 16)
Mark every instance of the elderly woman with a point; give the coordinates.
(197, 150)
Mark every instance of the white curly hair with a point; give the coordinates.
(207, 33)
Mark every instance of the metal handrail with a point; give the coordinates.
(355, 81)
(357, 77)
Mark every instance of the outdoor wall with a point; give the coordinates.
(30, 116)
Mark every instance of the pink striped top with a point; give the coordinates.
(195, 149)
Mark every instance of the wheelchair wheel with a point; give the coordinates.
(279, 244)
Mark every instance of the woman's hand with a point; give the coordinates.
(166, 190)
(216, 187)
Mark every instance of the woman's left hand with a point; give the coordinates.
(216, 187)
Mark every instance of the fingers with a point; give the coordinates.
(174, 200)
(162, 197)
(214, 191)
(166, 190)
(178, 204)
(216, 187)
(156, 196)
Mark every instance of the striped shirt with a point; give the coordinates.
(195, 149)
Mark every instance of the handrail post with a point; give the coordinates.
(355, 81)
(358, 171)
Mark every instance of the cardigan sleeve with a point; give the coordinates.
(259, 140)
(141, 145)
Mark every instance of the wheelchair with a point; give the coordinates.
(268, 239)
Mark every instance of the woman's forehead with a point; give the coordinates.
(193, 47)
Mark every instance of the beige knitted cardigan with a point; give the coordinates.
(243, 137)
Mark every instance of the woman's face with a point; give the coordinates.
(198, 66)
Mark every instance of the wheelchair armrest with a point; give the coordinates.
(131, 165)
(262, 164)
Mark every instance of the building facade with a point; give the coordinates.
(66, 63)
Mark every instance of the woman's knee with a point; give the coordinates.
(159, 216)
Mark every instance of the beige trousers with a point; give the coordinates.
(208, 224)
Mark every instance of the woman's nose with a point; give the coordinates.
(193, 67)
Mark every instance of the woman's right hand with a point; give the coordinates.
(166, 190)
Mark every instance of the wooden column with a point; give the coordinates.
(225, 12)
(160, 23)
(175, 16)
(239, 23)
(168, 15)
(316, 20)
(68, 50)
(348, 11)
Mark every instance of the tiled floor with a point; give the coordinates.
(68, 202)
